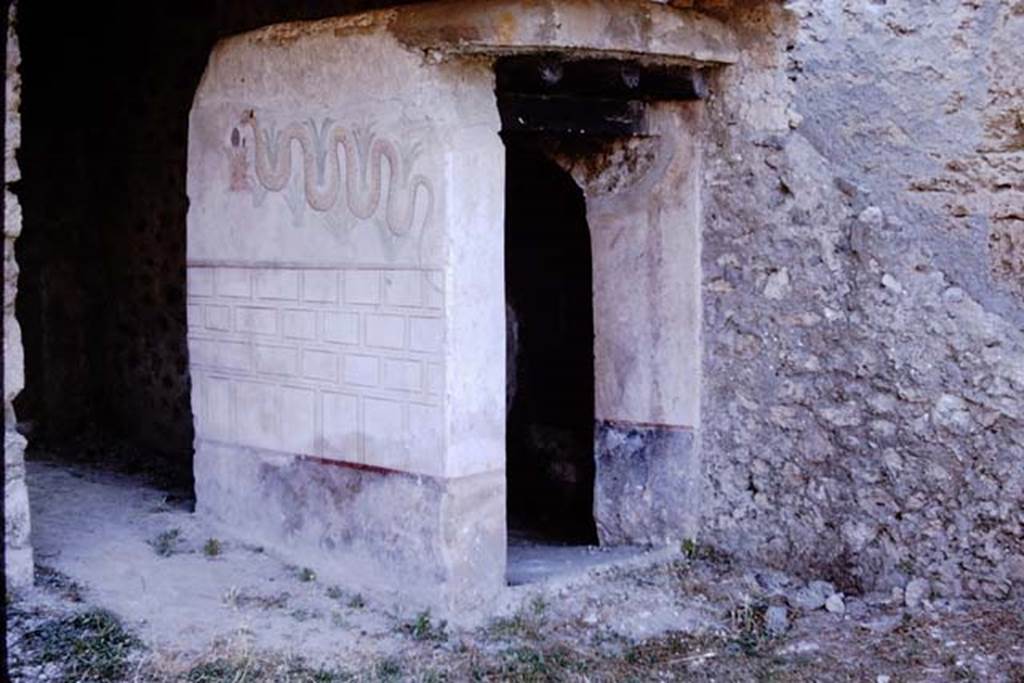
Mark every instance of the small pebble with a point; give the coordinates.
(835, 603)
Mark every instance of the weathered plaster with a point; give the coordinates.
(342, 308)
(17, 541)
(580, 27)
(644, 213)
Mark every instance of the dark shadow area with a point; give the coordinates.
(106, 93)
(550, 374)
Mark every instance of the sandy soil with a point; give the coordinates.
(216, 610)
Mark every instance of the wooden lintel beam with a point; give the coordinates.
(571, 115)
(554, 75)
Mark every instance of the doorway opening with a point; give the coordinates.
(550, 351)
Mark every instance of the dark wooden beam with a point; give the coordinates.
(598, 78)
(533, 113)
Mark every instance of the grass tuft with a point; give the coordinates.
(89, 646)
(423, 628)
(388, 669)
(166, 542)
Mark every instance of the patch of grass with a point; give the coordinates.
(357, 601)
(516, 626)
(212, 547)
(538, 664)
(538, 605)
(319, 675)
(246, 669)
(388, 669)
(89, 646)
(307, 575)
(423, 628)
(166, 542)
(695, 551)
(525, 624)
(219, 671)
(749, 633)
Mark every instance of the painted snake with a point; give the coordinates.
(322, 170)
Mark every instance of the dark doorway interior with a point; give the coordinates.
(549, 304)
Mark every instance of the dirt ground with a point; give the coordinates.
(132, 587)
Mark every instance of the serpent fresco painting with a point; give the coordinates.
(327, 183)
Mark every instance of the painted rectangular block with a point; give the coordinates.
(403, 287)
(362, 286)
(258, 320)
(361, 370)
(320, 365)
(341, 328)
(277, 283)
(298, 324)
(426, 334)
(222, 355)
(234, 282)
(276, 360)
(218, 318)
(385, 331)
(403, 375)
(199, 282)
(320, 286)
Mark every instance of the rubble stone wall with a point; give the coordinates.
(17, 543)
(864, 293)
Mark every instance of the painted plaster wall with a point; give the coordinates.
(343, 318)
(864, 318)
(322, 253)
